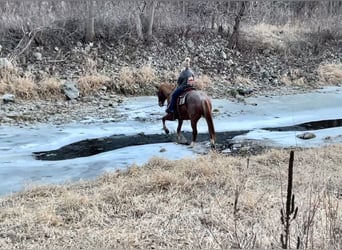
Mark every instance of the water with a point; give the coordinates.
(141, 115)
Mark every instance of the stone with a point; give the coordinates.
(224, 55)
(70, 90)
(5, 63)
(306, 136)
(230, 63)
(6, 98)
(190, 43)
(38, 56)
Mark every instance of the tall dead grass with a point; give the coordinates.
(214, 201)
(203, 81)
(294, 34)
(137, 80)
(24, 86)
(274, 37)
(330, 73)
(92, 81)
(130, 81)
(27, 87)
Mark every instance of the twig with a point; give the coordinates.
(291, 210)
(23, 44)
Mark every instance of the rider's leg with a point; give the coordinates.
(174, 96)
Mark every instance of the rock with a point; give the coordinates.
(38, 56)
(244, 92)
(306, 136)
(5, 63)
(69, 88)
(6, 98)
(190, 43)
(230, 63)
(224, 55)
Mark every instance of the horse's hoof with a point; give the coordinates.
(167, 131)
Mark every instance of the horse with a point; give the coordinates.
(197, 104)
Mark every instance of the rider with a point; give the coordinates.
(184, 81)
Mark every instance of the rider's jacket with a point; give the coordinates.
(185, 78)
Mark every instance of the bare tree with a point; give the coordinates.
(234, 38)
(150, 18)
(144, 19)
(138, 24)
(90, 21)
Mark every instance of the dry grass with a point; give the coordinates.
(276, 37)
(295, 77)
(126, 77)
(243, 81)
(26, 87)
(21, 86)
(203, 81)
(145, 75)
(295, 35)
(170, 75)
(330, 73)
(49, 87)
(90, 83)
(213, 201)
(136, 80)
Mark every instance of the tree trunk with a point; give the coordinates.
(138, 25)
(90, 21)
(184, 9)
(150, 20)
(213, 20)
(234, 38)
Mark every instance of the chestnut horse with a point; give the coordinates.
(197, 104)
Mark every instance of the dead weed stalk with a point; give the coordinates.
(291, 211)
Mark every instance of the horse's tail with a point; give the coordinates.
(209, 118)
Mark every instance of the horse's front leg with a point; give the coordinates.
(179, 127)
(164, 126)
(168, 117)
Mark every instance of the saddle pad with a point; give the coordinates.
(182, 97)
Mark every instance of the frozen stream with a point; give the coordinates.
(142, 115)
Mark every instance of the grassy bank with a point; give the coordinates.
(214, 201)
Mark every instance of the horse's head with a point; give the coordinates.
(163, 92)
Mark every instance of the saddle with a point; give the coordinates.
(182, 97)
(181, 101)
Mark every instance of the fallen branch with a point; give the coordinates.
(23, 44)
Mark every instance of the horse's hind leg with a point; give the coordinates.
(179, 127)
(194, 131)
